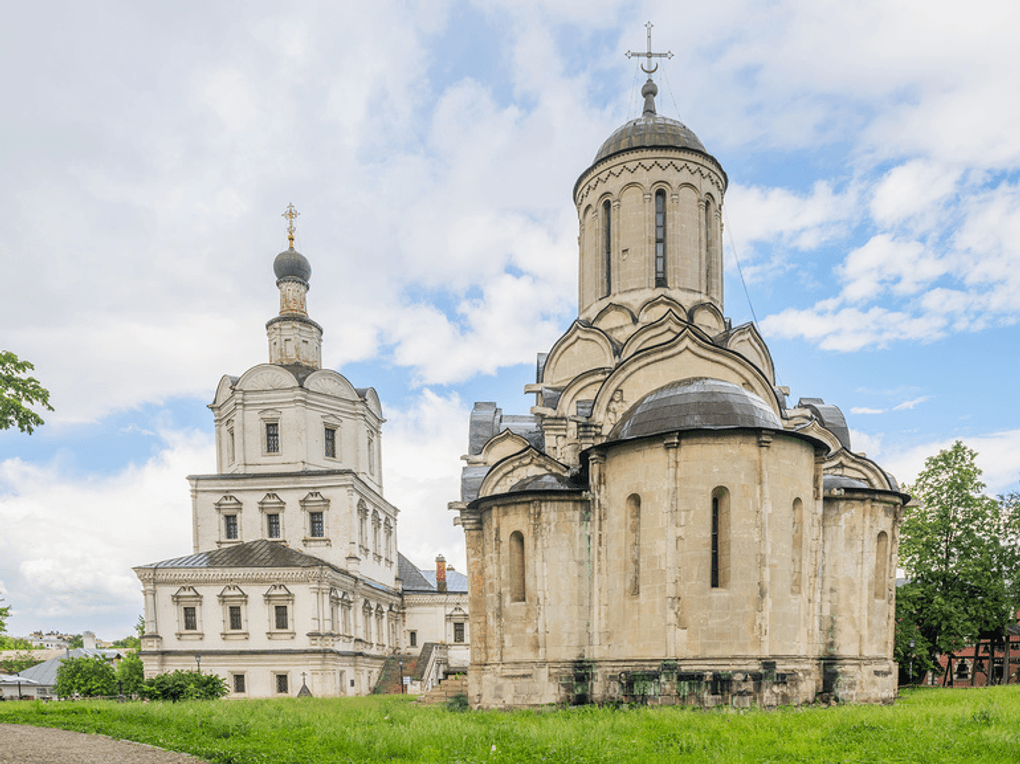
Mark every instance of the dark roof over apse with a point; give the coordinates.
(695, 404)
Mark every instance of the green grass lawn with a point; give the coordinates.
(924, 726)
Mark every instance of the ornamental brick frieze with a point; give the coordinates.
(617, 171)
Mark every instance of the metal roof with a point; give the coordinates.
(650, 131)
(546, 482)
(695, 404)
(414, 579)
(842, 481)
(45, 673)
(253, 554)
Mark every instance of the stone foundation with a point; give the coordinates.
(740, 684)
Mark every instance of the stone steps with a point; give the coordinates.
(450, 687)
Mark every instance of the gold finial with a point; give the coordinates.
(290, 214)
(648, 54)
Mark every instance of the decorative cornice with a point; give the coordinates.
(594, 180)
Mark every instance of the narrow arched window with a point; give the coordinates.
(797, 551)
(660, 238)
(720, 572)
(607, 248)
(881, 565)
(633, 544)
(709, 244)
(517, 567)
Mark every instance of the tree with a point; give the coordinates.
(5, 613)
(18, 392)
(959, 550)
(77, 641)
(131, 674)
(18, 663)
(86, 676)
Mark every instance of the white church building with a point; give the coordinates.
(294, 579)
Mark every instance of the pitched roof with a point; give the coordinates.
(45, 673)
(253, 554)
(415, 579)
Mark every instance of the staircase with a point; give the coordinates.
(389, 682)
(453, 685)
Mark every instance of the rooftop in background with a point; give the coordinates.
(46, 673)
(414, 579)
(253, 554)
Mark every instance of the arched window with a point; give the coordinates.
(517, 567)
(660, 238)
(797, 552)
(720, 571)
(633, 544)
(607, 247)
(711, 244)
(881, 565)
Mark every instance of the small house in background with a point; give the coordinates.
(14, 687)
(44, 675)
(983, 663)
(436, 621)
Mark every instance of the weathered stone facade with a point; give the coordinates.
(664, 527)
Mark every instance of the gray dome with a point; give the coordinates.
(292, 264)
(547, 482)
(842, 481)
(695, 404)
(650, 131)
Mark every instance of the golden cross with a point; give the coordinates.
(290, 214)
(648, 54)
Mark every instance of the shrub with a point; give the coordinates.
(131, 674)
(86, 676)
(184, 685)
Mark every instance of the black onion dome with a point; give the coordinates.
(695, 404)
(292, 264)
(650, 131)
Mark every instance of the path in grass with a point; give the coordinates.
(20, 744)
(980, 725)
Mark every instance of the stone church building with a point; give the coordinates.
(666, 526)
(294, 579)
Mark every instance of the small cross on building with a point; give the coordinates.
(648, 54)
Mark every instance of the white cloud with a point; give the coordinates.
(421, 449)
(865, 410)
(910, 189)
(69, 542)
(997, 458)
(776, 215)
(907, 405)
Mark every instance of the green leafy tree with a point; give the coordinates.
(77, 641)
(86, 676)
(18, 392)
(18, 663)
(184, 685)
(958, 548)
(5, 613)
(131, 674)
(129, 643)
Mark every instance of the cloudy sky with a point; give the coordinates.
(147, 151)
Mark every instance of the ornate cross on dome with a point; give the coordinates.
(648, 54)
(290, 214)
